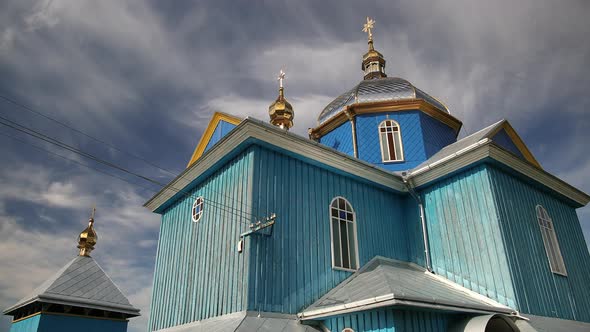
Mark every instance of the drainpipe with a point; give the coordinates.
(416, 197)
(350, 116)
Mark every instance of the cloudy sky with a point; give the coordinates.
(145, 77)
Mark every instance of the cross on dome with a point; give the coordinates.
(367, 27)
(280, 78)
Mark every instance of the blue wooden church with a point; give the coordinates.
(381, 220)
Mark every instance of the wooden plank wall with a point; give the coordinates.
(389, 320)
(538, 290)
(292, 268)
(465, 237)
(199, 273)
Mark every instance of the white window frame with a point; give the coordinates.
(197, 216)
(347, 329)
(550, 242)
(400, 153)
(353, 240)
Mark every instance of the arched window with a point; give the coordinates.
(197, 211)
(343, 232)
(550, 241)
(391, 141)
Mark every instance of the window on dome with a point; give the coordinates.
(343, 232)
(391, 141)
(550, 241)
(197, 211)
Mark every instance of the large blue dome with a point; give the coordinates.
(381, 89)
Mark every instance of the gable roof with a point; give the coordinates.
(208, 133)
(385, 282)
(251, 131)
(82, 283)
(245, 321)
(486, 133)
(463, 153)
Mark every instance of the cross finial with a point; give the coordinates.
(368, 26)
(280, 78)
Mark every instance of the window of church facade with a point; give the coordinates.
(197, 211)
(391, 141)
(550, 241)
(348, 329)
(343, 233)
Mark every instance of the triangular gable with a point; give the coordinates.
(219, 125)
(503, 132)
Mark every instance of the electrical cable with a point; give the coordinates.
(38, 135)
(31, 110)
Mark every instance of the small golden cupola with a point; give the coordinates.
(281, 112)
(373, 62)
(88, 237)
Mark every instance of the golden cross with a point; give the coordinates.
(93, 211)
(368, 26)
(281, 78)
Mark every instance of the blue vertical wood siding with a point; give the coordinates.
(292, 268)
(538, 290)
(389, 320)
(62, 323)
(222, 129)
(340, 139)
(465, 237)
(30, 324)
(199, 273)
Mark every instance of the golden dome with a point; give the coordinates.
(87, 238)
(281, 112)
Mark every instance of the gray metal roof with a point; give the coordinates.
(381, 89)
(551, 324)
(385, 282)
(83, 283)
(245, 322)
(461, 144)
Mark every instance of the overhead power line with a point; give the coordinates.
(31, 110)
(31, 132)
(65, 125)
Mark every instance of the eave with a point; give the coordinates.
(487, 150)
(386, 106)
(252, 131)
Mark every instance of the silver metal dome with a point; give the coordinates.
(382, 89)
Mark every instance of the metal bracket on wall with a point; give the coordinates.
(257, 227)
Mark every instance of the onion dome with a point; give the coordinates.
(281, 112)
(377, 90)
(88, 238)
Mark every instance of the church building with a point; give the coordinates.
(380, 220)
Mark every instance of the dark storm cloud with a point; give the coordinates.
(146, 76)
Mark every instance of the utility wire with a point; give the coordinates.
(210, 202)
(63, 124)
(38, 135)
(29, 109)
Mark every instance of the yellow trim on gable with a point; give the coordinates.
(528, 155)
(215, 119)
